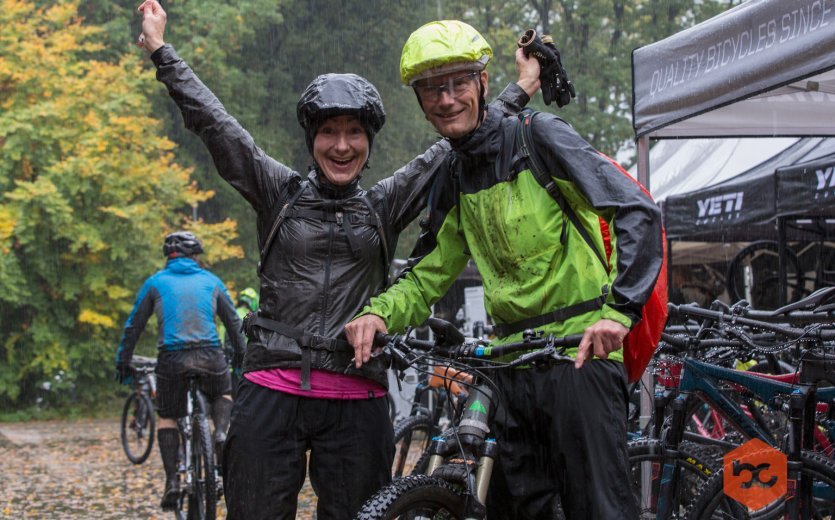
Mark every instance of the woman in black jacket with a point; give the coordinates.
(326, 245)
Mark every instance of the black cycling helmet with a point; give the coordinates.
(181, 243)
(331, 95)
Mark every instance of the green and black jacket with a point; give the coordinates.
(486, 204)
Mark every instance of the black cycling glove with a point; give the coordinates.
(554, 79)
(124, 373)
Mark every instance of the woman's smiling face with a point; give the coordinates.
(340, 148)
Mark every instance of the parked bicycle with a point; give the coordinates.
(138, 425)
(727, 390)
(198, 472)
(461, 459)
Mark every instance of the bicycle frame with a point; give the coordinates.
(704, 379)
(196, 409)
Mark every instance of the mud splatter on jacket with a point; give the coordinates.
(491, 208)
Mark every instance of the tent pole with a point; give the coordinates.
(647, 385)
(782, 260)
(643, 161)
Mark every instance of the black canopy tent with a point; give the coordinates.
(745, 207)
(763, 68)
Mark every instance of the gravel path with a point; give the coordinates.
(76, 469)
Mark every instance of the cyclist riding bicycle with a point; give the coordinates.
(560, 430)
(185, 299)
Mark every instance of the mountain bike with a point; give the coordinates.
(461, 458)
(198, 472)
(138, 423)
(811, 475)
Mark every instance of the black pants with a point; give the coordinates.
(351, 449)
(172, 385)
(562, 431)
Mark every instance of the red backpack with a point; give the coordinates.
(639, 345)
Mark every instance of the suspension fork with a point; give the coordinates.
(670, 471)
(799, 496)
(472, 432)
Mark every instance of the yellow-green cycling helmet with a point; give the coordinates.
(443, 47)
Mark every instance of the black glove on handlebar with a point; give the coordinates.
(554, 79)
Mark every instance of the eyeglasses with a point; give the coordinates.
(456, 87)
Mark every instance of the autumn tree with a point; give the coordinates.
(89, 186)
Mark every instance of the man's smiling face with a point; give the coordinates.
(451, 102)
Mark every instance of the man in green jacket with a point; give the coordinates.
(562, 430)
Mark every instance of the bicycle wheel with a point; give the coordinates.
(415, 497)
(713, 503)
(202, 502)
(646, 460)
(138, 427)
(754, 275)
(412, 436)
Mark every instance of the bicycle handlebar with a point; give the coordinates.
(691, 310)
(143, 364)
(543, 347)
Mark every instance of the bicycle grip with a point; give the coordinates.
(382, 339)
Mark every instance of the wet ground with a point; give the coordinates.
(77, 469)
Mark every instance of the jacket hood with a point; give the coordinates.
(183, 265)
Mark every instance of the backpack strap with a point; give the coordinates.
(383, 240)
(307, 343)
(338, 216)
(563, 313)
(527, 151)
(277, 224)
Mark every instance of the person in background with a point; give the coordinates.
(561, 430)
(247, 303)
(185, 299)
(326, 247)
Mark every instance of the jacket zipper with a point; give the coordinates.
(326, 285)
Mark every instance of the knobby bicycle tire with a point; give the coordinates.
(412, 437)
(138, 427)
(696, 468)
(415, 496)
(200, 501)
(713, 503)
(203, 451)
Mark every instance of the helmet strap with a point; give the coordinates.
(481, 103)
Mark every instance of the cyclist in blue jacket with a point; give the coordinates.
(185, 298)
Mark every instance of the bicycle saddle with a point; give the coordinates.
(822, 300)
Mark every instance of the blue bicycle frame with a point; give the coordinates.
(704, 379)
